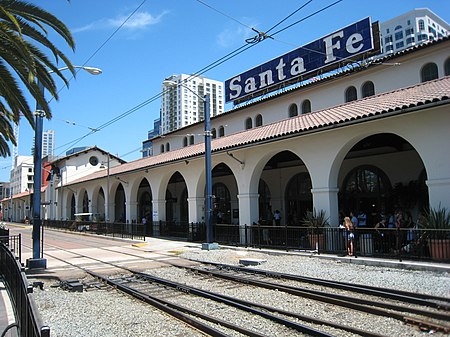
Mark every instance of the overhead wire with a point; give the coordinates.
(203, 70)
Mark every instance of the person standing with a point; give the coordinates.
(348, 224)
(277, 218)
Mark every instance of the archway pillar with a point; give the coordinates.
(326, 198)
(159, 214)
(131, 211)
(439, 192)
(248, 213)
(196, 209)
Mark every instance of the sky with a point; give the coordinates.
(137, 44)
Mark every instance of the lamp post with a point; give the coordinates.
(38, 261)
(208, 167)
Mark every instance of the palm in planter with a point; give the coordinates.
(437, 222)
(316, 221)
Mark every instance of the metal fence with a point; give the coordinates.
(116, 229)
(29, 322)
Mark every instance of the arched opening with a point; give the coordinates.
(213, 133)
(225, 190)
(72, 207)
(380, 174)
(145, 206)
(248, 123)
(298, 198)
(185, 142)
(429, 72)
(306, 106)
(258, 120)
(368, 89)
(351, 94)
(177, 214)
(221, 131)
(120, 214)
(293, 110)
(222, 203)
(101, 205)
(447, 67)
(265, 206)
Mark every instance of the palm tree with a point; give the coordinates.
(24, 60)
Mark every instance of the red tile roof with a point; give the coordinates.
(398, 101)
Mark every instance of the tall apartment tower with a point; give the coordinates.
(48, 143)
(181, 105)
(410, 29)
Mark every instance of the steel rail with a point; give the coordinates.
(182, 313)
(336, 299)
(232, 302)
(409, 297)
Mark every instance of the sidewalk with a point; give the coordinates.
(6, 312)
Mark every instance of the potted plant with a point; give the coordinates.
(437, 223)
(316, 221)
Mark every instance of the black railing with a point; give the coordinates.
(132, 231)
(29, 322)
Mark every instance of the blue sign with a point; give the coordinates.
(343, 44)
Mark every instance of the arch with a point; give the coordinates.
(429, 72)
(293, 110)
(100, 202)
(213, 133)
(72, 207)
(306, 106)
(120, 212)
(248, 123)
(185, 141)
(85, 203)
(374, 174)
(221, 131)
(167, 147)
(447, 67)
(367, 89)
(176, 200)
(258, 120)
(145, 206)
(162, 148)
(191, 139)
(351, 94)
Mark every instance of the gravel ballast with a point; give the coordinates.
(104, 313)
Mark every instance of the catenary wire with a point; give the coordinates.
(205, 69)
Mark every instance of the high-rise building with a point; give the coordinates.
(181, 105)
(147, 145)
(48, 143)
(410, 29)
(22, 175)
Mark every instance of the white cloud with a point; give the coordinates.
(138, 21)
(235, 35)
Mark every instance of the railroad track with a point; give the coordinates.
(143, 285)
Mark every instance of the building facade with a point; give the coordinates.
(48, 143)
(412, 28)
(182, 105)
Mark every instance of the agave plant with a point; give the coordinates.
(315, 219)
(437, 219)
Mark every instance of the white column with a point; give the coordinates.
(248, 213)
(439, 192)
(326, 198)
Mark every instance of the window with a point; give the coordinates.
(162, 148)
(221, 131)
(293, 110)
(429, 72)
(214, 133)
(398, 27)
(398, 36)
(167, 147)
(258, 120)
(388, 39)
(421, 25)
(399, 45)
(447, 67)
(306, 106)
(410, 40)
(409, 31)
(368, 89)
(185, 143)
(248, 123)
(350, 94)
(191, 140)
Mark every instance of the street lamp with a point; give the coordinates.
(38, 261)
(208, 169)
